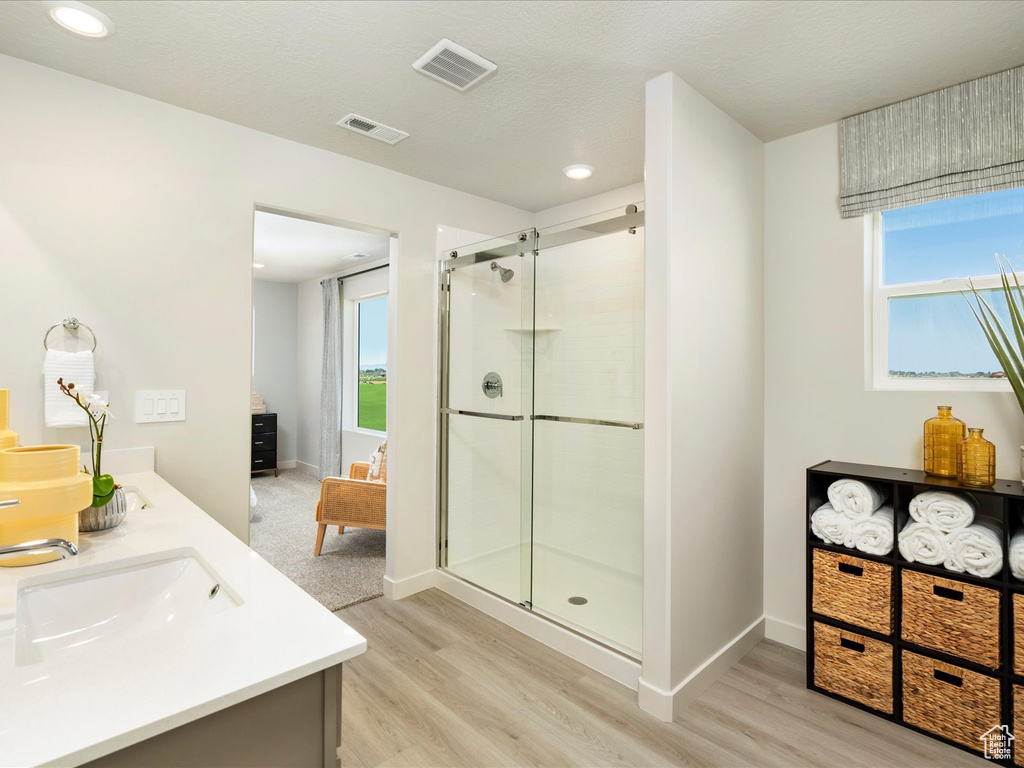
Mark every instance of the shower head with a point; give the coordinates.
(506, 274)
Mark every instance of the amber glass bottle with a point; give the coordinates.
(976, 460)
(942, 434)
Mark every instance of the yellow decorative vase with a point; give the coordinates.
(942, 434)
(976, 460)
(51, 489)
(8, 438)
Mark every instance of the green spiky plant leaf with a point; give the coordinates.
(1009, 350)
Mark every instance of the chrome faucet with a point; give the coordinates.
(62, 547)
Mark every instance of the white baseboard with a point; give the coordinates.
(786, 633)
(667, 705)
(403, 588)
(286, 464)
(599, 658)
(308, 468)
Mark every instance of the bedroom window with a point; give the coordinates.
(922, 334)
(372, 363)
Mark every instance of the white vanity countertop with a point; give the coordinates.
(90, 701)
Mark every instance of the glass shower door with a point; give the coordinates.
(542, 465)
(588, 444)
(486, 402)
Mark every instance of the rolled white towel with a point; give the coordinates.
(1017, 555)
(977, 549)
(923, 543)
(831, 526)
(855, 499)
(946, 511)
(875, 535)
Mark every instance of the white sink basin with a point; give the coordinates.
(160, 592)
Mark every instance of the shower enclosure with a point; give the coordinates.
(541, 395)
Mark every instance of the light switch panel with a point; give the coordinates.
(158, 405)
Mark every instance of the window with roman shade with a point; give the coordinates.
(941, 179)
(962, 140)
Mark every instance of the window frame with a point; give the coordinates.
(877, 298)
(356, 322)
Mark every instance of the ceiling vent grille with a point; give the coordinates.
(373, 129)
(454, 65)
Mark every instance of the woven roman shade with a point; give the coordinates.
(962, 140)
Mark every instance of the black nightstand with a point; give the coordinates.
(264, 442)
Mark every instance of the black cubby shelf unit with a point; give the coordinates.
(1004, 501)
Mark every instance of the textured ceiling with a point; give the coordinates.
(295, 250)
(569, 87)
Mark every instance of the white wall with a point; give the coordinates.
(816, 404)
(138, 218)
(275, 361)
(704, 393)
(309, 352)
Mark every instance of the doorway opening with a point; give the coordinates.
(319, 404)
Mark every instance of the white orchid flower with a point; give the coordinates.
(96, 405)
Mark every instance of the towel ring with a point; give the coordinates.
(71, 325)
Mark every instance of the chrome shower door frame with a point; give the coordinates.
(534, 242)
(516, 245)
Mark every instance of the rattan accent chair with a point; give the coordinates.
(353, 501)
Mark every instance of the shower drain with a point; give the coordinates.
(577, 600)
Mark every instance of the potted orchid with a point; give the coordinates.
(108, 503)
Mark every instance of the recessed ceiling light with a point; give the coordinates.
(79, 18)
(258, 266)
(578, 172)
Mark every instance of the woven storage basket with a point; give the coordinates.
(1018, 722)
(951, 616)
(1018, 639)
(949, 701)
(854, 666)
(853, 590)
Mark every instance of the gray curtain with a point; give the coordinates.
(957, 141)
(330, 382)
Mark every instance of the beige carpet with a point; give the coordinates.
(350, 568)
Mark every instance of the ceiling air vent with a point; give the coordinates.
(357, 256)
(373, 129)
(454, 65)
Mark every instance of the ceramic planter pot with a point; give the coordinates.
(110, 515)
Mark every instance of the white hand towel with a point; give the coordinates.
(946, 511)
(75, 368)
(1017, 554)
(855, 499)
(875, 535)
(831, 526)
(977, 549)
(923, 543)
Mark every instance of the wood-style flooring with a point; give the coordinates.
(445, 685)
